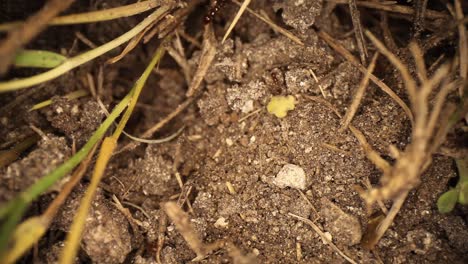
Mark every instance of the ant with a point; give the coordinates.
(215, 7)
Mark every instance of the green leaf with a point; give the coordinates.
(463, 196)
(462, 166)
(38, 59)
(447, 201)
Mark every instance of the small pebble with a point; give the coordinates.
(344, 227)
(221, 223)
(291, 176)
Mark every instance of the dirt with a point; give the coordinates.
(232, 150)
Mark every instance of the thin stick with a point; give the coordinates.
(95, 16)
(405, 74)
(275, 27)
(406, 10)
(347, 55)
(244, 5)
(385, 224)
(370, 153)
(359, 94)
(462, 44)
(324, 237)
(185, 228)
(419, 60)
(318, 83)
(356, 19)
(207, 56)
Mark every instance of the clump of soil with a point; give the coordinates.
(232, 151)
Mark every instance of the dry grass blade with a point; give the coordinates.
(244, 6)
(96, 16)
(80, 59)
(182, 61)
(20, 36)
(401, 9)
(377, 234)
(370, 153)
(207, 56)
(275, 27)
(462, 44)
(359, 94)
(405, 74)
(155, 141)
(356, 19)
(324, 237)
(185, 228)
(130, 46)
(348, 56)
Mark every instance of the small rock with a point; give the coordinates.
(229, 142)
(328, 236)
(291, 176)
(344, 227)
(221, 223)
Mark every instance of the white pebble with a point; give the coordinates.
(291, 176)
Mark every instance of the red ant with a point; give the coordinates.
(215, 6)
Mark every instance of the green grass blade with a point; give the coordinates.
(15, 208)
(78, 60)
(38, 59)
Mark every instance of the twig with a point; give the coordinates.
(406, 10)
(370, 153)
(405, 74)
(359, 94)
(162, 227)
(185, 228)
(30, 29)
(207, 56)
(462, 44)
(419, 61)
(275, 27)
(323, 236)
(387, 34)
(95, 16)
(244, 5)
(356, 19)
(348, 56)
(385, 224)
